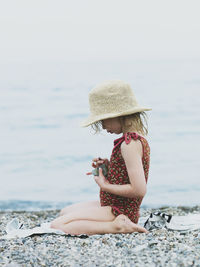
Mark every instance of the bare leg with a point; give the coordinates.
(79, 206)
(88, 227)
(90, 214)
(99, 220)
(121, 224)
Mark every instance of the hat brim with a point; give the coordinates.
(92, 119)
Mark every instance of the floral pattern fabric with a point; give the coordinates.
(117, 174)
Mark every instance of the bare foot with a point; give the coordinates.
(124, 225)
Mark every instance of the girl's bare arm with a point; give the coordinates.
(132, 154)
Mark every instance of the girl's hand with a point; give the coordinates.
(101, 180)
(96, 162)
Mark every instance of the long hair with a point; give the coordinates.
(133, 122)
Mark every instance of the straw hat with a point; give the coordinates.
(111, 99)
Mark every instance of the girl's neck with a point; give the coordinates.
(128, 130)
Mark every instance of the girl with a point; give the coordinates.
(114, 108)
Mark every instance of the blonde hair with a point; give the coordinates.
(133, 122)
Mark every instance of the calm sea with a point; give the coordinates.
(44, 153)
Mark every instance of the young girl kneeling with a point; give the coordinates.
(114, 108)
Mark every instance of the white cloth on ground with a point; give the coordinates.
(156, 220)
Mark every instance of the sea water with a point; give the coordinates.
(45, 154)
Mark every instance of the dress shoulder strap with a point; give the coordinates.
(128, 136)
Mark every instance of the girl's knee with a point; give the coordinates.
(63, 212)
(55, 224)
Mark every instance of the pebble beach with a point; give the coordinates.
(158, 248)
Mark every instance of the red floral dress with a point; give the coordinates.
(117, 174)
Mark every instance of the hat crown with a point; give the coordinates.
(111, 97)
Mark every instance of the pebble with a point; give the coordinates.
(158, 248)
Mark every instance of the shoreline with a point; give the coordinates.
(158, 248)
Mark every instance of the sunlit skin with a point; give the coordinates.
(92, 218)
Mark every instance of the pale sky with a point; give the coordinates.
(98, 29)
